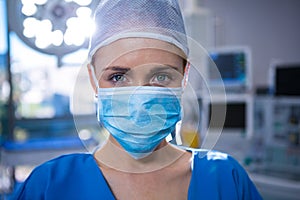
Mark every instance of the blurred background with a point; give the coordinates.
(254, 44)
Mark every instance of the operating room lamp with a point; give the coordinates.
(54, 27)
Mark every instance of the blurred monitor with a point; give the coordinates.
(232, 69)
(235, 118)
(286, 79)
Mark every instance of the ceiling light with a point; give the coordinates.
(53, 27)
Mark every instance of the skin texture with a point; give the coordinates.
(165, 174)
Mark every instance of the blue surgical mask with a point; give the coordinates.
(139, 118)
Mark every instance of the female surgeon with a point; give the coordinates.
(138, 67)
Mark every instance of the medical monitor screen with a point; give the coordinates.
(235, 118)
(232, 69)
(287, 80)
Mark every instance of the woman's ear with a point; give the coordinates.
(92, 77)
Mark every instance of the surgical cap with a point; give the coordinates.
(156, 19)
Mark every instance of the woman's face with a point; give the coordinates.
(139, 62)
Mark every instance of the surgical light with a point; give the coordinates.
(55, 27)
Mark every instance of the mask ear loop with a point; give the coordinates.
(186, 75)
(179, 123)
(94, 77)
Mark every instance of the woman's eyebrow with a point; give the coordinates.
(164, 67)
(117, 68)
(126, 69)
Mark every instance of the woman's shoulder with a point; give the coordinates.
(212, 157)
(68, 158)
(215, 165)
(64, 164)
(64, 161)
(221, 174)
(51, 177)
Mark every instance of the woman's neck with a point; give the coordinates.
(113, 156)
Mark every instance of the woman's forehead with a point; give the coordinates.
(130, 46)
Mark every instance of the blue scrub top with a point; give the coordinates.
(215, 175)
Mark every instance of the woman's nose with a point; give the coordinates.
(141, 82)
(139, 77)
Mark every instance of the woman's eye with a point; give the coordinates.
(161, 79)
(118, 78)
